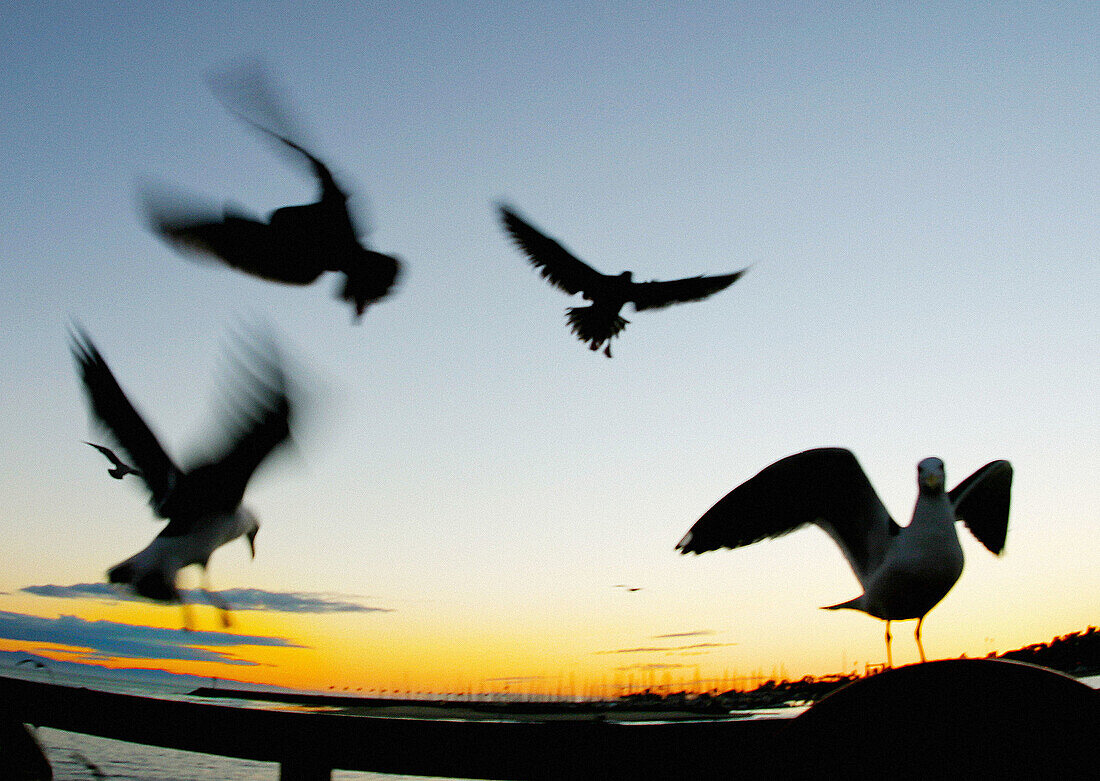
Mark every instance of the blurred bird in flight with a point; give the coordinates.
(297, 243)
(202, 501)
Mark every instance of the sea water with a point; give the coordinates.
(76, 757)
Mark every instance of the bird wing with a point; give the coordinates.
(109, 454)
(655, 295)
(329, 188)
(257, 422)
(236, 240)
(981, 502)
(111, 407)
(825, 486)
(555, 263)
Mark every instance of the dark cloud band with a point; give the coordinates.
(98, 640)
(238, 598)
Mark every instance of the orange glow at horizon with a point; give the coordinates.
(409, 656)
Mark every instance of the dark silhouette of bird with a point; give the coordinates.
(119, 468)
(295, 245)
(201, 502)
(904, 571)
(601, 322)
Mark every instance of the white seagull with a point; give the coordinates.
(202, 503)
(904, 571)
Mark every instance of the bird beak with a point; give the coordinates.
(252, 541)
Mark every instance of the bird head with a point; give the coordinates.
(370, 280)
(930, 475)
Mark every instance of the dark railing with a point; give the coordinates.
(957, 718)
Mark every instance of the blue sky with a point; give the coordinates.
(914, 186)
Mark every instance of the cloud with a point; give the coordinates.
(696, 633)
(653, 649)
(238, 598)
(651, 667)
(294, 602)
(111, 640)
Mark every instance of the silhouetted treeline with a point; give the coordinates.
(1077, 653)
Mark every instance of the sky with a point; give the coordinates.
(914, 187)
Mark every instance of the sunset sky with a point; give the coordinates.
(916, 187)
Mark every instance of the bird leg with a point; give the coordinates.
(188, 617)
(889, 657)
(916, 634)
(216, 600)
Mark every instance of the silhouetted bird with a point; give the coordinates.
(904, 571)
(202, 503)
(295, 246)
(118, 469)
(601, 321)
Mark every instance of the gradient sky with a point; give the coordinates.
(915, 186)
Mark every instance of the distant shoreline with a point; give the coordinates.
(1076, 654)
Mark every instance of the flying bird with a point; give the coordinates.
(904, 571)
(294, 246)
(600, 322)
(119, 468)
(201, 502)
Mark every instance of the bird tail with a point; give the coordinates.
(595, 325)
(851, 604)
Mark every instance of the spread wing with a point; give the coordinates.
(236, 240)
(655, 295)
(117, 415)
(825, 486)
(981, 501)
(258, 421)
(554, 262)
(329, 188)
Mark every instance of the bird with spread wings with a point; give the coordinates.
(600, 322)
(201, 502)
(904, 570)
(297, 243)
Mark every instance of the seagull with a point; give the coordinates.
(295, 246)
(118, 469)
(904, 571)
(601, 322)
(202, 503)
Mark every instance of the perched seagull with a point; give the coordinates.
(295, 246)
(904, 571)
(202, 504)
(118, 469)
(601, 321)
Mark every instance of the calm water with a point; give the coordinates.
(68, 753)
